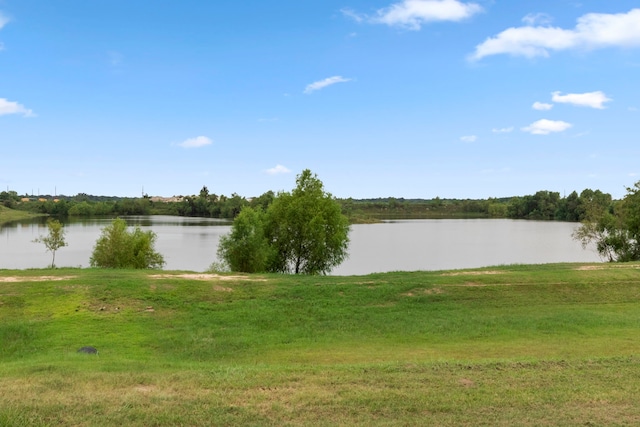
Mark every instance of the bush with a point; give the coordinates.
(119, 248)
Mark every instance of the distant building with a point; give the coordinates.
(173, 199)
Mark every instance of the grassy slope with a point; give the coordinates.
(8, 215)
(521, 345)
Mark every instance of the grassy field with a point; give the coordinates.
(506, 346)
(9, 215)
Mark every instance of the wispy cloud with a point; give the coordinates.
(545, 127)
(412, 14)
(469, 138)
(321, 84)
(592, 31)
(197, 142)
(3, 21)
(9, 107)
(537, 19)
(502, 130)
(590, 99)
(541, 106)
(352, 14)
(277, 170)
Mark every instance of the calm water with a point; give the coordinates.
(405, 245)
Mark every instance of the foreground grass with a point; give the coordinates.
(522, 345)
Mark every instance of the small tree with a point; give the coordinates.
(54, 240)
(615, 231)
(307, 229)
(119, 248)
(246, 248)
(301, 232)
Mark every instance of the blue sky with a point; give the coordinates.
(405, 98)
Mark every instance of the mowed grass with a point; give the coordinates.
(516, 345)
(9, 215)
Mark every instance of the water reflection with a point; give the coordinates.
(398, 245)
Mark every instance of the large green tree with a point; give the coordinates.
(614, 231)
(118, 247)
(54, 240)
(303, 231)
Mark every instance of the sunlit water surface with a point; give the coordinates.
(402, 245)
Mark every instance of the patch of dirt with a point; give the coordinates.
(473, 273)
(144, 388)
(219, 288)
(14, 279)
(465, 382)
(204, 276)
(415, 292)
(607, 267)
(480, 285)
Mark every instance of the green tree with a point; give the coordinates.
(54, 240)
(301, 232)
(119, 248)
(306, 228)
(614, 231)
(246, 248)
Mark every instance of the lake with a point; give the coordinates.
(399, 245)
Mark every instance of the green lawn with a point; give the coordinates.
(9, 215)
(517, 345)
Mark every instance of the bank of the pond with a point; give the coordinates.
(521, 345)
(10, 215)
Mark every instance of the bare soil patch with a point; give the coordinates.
(607, 267)
(414, 292)
(204, 276)
(15, 279)
(473, 273)
(479, 285)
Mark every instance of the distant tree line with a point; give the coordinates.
(204, 204)
(543, 205)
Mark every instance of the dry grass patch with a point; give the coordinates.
(207, 276)
(607, 267)
(15, 279)
(473, 273)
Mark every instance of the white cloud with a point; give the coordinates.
(541, 106)
(3, 21)
(502, 130)
(589, 99)
(545, 127)
(353, 15)
(197, 142)
(592, 31)
(321, 84)
(412, 14)
(279, 169)
(9, 107)
(537, 19)
(469, 138)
